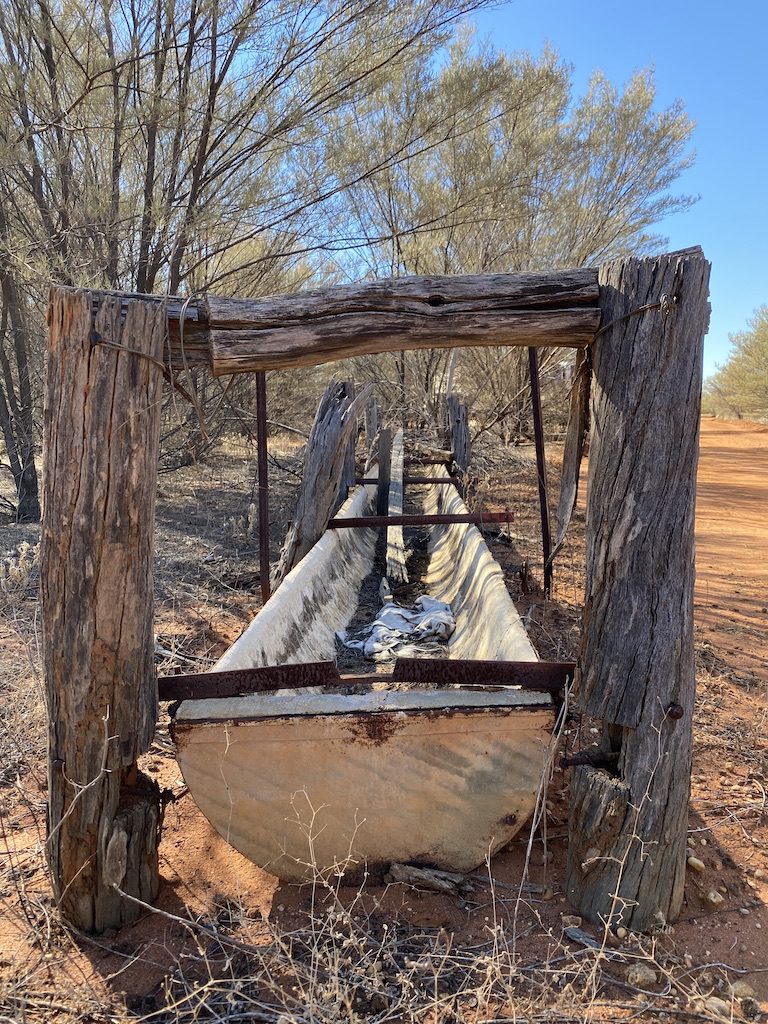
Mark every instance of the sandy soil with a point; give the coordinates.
(205, 880)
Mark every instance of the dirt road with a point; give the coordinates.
(732, 544)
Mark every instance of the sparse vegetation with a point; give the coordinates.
(225, 945)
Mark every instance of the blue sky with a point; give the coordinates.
(713, 57)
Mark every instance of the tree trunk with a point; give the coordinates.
(636, 670)
(102, 424)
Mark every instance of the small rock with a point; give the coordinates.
(759, 873)
(742, 990)
(702, 842)
(714, 898)
(718, 1007)
(750, 1008)
(621, 932)
(744, 912)
(548, 894)
(695, 864)
(571, 921)
(718, 865)
(641, 976)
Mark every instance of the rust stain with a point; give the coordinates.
(376, 728)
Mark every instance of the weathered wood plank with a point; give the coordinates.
(560, 289)
(102, 424)
(636, 667)
(385, 459)
(326, 453)
(575, 435)
(458, 436)
(306, 328)
(308, 343)
(396, 570)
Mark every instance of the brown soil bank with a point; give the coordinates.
(732, 544)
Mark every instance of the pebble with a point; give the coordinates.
(719, 1007)
(570, 921)
(695, 864)
(743, 911)
(742, 990)
(621, 933)
(759, 873)
(641, 976)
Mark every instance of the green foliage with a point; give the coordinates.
(739, 389)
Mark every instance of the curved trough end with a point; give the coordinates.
(307, 782)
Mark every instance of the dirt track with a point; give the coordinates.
(732, 544)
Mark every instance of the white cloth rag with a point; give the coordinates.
(396, 629)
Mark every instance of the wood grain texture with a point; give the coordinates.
(307, 328)
(102, 422)
(325, 457)
(343, 335)
(575, 436)
(627, 834)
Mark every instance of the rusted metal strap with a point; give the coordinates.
(417, 520)
(204, 685)
(427, 460)
(413, 480)
(547, 676)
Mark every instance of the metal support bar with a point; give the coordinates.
(547, 676)
(538, 433)
(412, 480)
(206, 685)
(418, 520)
(263, 490)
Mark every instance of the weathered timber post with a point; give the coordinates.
(626, 860)
(102, 424)
(324, 460)
(457, 414)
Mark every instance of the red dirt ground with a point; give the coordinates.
(729, 817)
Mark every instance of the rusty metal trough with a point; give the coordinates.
(303, 781)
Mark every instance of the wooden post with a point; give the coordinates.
(348, 469)
(326, 452)
(459, 442)
(102, 424)
(626, 861)
(385, 466)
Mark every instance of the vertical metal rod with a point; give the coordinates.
(263, 491)
(538, 433)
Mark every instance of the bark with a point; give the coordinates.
(458, 437)
(102, 423)
(636, 668)
(335, 421)
(575, 435)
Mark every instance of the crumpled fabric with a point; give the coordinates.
(398, 631)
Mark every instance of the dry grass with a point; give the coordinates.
(346, 956)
